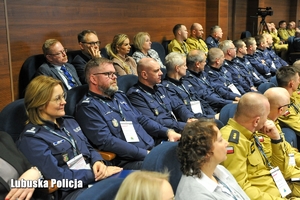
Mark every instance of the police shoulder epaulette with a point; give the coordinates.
(32, 131)
(167, 85)
(210, 72)
(234, 136)
(87, 100)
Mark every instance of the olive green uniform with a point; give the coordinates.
(198, 44)
(175, 46)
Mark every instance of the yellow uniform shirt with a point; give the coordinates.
(175, 46)
(247, 165)
(194, 43)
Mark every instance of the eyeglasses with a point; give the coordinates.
(92, 43)
(58, 54)
(288, 105)
(108, 74)
(58, 99)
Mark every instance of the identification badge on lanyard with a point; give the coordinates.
(281, 184)
(196, 107)
(129, 131)
(233, 89)
(77, 163)
(292, 161)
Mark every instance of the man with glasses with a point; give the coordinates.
(195, 40)
(279, 99)
(288, 78)
(238, 76)
(90, 48)
(111, 123)
(57, 66)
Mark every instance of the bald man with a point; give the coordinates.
(279, 100)
(195, 41)
(244, 159)
(153, 100)
(111, 123)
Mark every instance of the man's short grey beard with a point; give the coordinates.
(111, 90)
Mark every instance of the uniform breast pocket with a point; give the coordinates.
(254, 160)
(62, 153)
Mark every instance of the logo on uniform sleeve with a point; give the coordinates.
(234, 136)
(261, 139)
(230, 149)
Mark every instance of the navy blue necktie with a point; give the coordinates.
(68, 76)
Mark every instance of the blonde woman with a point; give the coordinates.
(117, 51)
(142, 43)
(146, 185)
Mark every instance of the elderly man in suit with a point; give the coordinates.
(57, 66)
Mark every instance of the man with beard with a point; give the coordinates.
(111, 123)
(195, 40)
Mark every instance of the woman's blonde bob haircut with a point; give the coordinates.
(37, 96)
(142, 185)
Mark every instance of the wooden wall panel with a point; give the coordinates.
(5, 85)
(31, 22)
(278, 8)
(239, 17)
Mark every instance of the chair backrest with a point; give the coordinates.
(72, 54)
(165, 44)
(164, 157)
(274, 80)
(160, 50)
(245, 34)
(265, 86)
(227, 112)
(105, 190)
(290, 44)
(126, 81)
(73, 97)
(103, 53)
(28, 70)
(13, 118)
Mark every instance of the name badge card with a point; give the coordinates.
(255, 75)
(233, 89)
(129, 132)
(196, 107)
(78, 162)
(292, 161)
(281, 184)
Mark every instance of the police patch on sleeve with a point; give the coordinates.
(230, 149)
(234, 136)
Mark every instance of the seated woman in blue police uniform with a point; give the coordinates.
(13, 167)
(55, 143)
(200, 151)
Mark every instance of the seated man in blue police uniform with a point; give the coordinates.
(153, 99)
(220, 78)
(182, 90)
(111, 123)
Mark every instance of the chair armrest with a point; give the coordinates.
(107, 155)
(51, 189)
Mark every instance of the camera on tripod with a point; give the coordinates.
(263, 12)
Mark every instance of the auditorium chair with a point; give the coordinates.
(160, 50)
(126, 81)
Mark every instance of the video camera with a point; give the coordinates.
(263, 12)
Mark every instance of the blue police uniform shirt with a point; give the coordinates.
(256, 62)
(50, 152)
(205, 90)
(211, 42)
(279, 62)
(99, 118)
(220, 79)
(238, 76)
(246, 66)
(157, 104)
(263, 54)
(185, 92)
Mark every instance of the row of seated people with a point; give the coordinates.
(201, 148)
